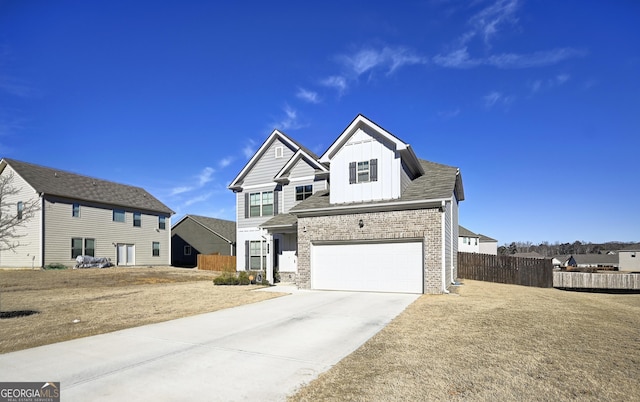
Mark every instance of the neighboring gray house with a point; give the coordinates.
(193, 235)
(629, 258)
(388, 223)
(80, 215)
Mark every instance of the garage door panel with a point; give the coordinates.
(382, 267)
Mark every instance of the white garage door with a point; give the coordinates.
(378, 267)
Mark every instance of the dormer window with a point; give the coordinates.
(363, 171)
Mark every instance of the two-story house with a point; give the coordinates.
(80, 215)
(281, 174)
(388, 222)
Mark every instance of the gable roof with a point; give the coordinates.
(283, 174)
(56, 182)
(236, 183)
(221, 227)
(464, 232)
(436, 185)
(486, 239)
(406, 152)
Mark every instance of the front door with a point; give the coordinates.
(126, 254)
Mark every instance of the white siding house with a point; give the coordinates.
(80, 215)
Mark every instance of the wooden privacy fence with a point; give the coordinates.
(581, 280)
(536, 272)
(222, 263)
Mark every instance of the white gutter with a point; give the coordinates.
(370, 207)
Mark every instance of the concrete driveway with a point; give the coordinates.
(257, 352)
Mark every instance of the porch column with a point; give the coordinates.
(269, 267)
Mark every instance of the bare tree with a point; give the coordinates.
(14, 213)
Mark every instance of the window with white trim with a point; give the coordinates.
(75, 210)
(363, 171)
(261, 204)
(155, 249)
(257, 255)
(162, 223)
(90, 247)
(76, 247)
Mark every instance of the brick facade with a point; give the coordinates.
(424, 224)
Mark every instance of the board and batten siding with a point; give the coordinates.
(363, 146)
(29, 250)
(96, 222)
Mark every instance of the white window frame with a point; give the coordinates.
(257, 204)
(138, 220)
(363, 171)
(257, 252)
(154, 248)
(75, 210)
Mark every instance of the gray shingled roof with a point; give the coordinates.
(74, 186)
(486, 239)
(224, 228)
(280, 221)
(464, 232)
(437, 183)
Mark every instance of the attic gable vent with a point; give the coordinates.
(279, 152)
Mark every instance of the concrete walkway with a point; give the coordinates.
(257, 352)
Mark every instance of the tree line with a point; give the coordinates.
(547, 249)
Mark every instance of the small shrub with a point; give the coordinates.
(55, 265)
(243, 278)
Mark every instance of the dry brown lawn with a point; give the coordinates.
(493, 342)
(105, 300)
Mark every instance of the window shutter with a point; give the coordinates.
(352, 172)
(246, 205)
(247, 257)
(275, 202)
(373, 170)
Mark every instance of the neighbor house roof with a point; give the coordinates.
(221, 227)
(486, 239)
(56, 182)
(438, 183)
(596, 258)
(464, 232)
(530, 254)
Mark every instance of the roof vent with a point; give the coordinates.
(55, 174)
(94, 182)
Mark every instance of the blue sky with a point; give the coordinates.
(537, 102)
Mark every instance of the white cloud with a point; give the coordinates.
(460, 59)
(180, 190)
(308, 96)
(197, 199)
(249, 149)
(224, 162)
(562, 78)
(490, 20)
(290, 121)
(449, 114)
(336, 81)
(456, 59)
(494, 98)
(205, 176)
(388, 58)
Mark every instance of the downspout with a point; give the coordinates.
(443, 263)
(42, 229)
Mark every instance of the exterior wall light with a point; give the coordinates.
(360, 223)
